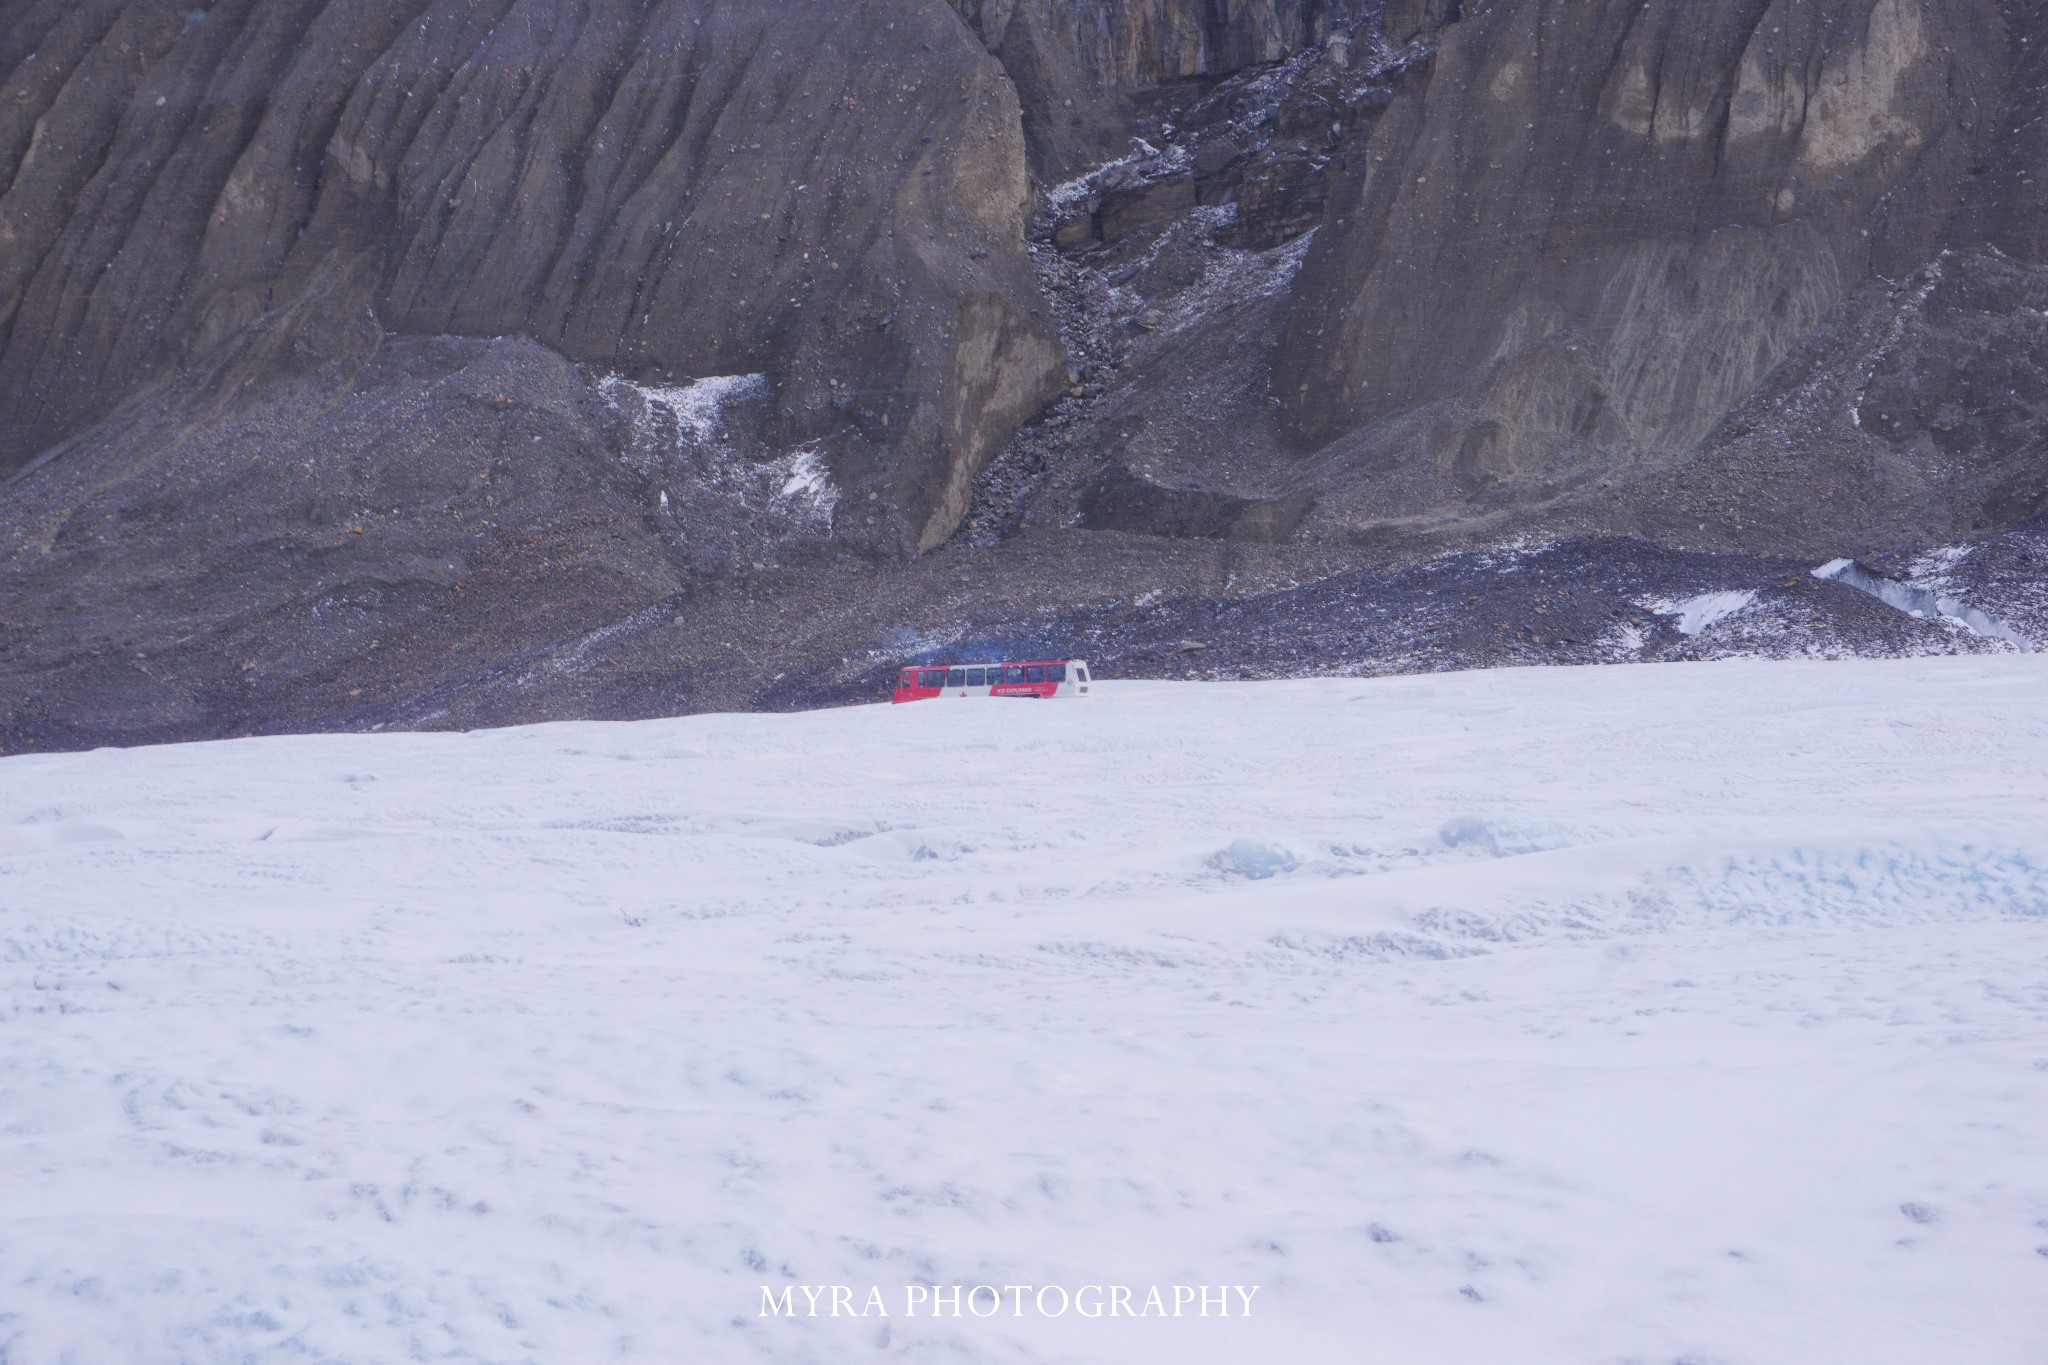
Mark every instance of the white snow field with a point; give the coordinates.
(1677, 1013)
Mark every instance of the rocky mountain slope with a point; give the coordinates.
(427, 362)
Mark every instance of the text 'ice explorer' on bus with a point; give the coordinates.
(1045, 678)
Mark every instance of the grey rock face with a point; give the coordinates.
(313, 557)
(829, 193)
(1921, 404)
(437, 362)
(1593, 228)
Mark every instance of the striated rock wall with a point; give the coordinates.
(1920, 404)
(2009, 186)
(347, 347)
(1590, 227)
(831, 193)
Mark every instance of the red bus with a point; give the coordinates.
(1040, 678)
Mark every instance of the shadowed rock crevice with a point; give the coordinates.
(1082, 67)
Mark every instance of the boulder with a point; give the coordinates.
(1078, 233)
(1146, 208)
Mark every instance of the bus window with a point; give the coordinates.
(1035, 673)
(932, 677)
(1055, 672)
(1081, 674)
(1012, 673)
(976, 677)
(956, 677)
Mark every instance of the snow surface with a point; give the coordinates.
(1688, 1012)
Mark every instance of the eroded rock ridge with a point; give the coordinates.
(452, 361)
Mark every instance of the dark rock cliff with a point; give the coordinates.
(428, 362)
(1588, 230)
(828, 193)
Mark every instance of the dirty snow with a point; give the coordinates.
(803, 488)
(1698, 613)
(1231, 277)
(1924, 598)
(1474, 1018)
(680, 437)
(693, 408)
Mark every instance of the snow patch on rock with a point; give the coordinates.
(1701, 612)
(691, 411)
(713, 474)
(803, 487)
(1231, 278)
(1923, 600)
(1624, 638)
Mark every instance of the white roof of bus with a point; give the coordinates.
(992, 663)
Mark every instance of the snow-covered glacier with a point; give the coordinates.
(1675, 1013)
